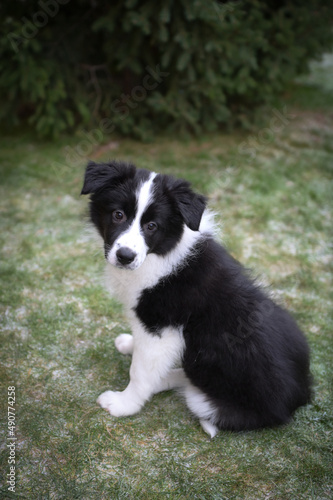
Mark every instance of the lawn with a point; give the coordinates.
(272, 190)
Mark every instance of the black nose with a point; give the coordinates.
(125, 255)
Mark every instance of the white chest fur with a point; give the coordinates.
(125, 285)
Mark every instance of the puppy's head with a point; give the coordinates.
(138, 212)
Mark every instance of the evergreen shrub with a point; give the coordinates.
(143, 66)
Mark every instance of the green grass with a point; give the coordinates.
(58, 324)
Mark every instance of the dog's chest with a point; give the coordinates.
(126, 286)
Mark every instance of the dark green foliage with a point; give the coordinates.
(137, 67)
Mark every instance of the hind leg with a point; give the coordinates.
(196, 400)
(201, 407)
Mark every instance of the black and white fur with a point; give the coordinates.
(199, 323)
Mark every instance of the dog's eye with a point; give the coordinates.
(118, 216)
(151, 226)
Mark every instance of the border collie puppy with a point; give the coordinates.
(199, 323)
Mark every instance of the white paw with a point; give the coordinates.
(124, 343)
(118, 404)
(208, 427)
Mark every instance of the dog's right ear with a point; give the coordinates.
(99, 174)
(96, 175)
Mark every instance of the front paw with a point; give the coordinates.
(118, 404)
(124, 343)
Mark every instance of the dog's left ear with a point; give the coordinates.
(191, 205)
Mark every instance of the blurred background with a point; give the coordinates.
(139, 68)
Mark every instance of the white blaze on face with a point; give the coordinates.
(133, 239)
